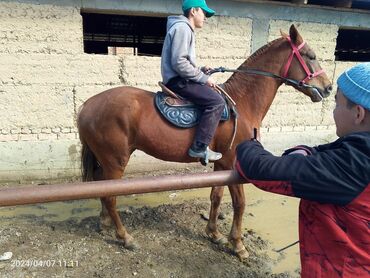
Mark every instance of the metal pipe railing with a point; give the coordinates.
(86, 190)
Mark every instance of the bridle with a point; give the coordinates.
(295, 51)
(300, 84)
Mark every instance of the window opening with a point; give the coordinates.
(123, 34)
(354, 4)
(333, 3)
(353, 45)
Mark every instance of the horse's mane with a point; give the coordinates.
(259, 52)
(247, 62)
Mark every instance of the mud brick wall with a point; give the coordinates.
(45, 76)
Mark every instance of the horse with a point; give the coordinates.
(114, 123)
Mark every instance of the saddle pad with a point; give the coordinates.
(185, 116)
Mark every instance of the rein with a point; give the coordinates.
(288, 81)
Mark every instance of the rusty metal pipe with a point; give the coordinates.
(86, 190)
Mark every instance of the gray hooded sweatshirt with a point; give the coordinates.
(178, 53)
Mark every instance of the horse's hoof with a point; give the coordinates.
(242, 254)
(219, 240)
(216, 237)
(131, 245)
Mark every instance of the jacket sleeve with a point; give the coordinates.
(308, 150)
(326, 176)
(180, 49)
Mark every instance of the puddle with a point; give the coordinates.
(271, 216)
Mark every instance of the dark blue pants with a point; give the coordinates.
(209, 101)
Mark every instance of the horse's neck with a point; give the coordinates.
(255, 94)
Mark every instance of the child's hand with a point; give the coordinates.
(206, 69)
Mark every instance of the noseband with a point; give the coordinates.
(295, 51)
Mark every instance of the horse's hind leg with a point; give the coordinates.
(128, 240)
(235, 237)
(109, 208)
(211, 229)
(105, 219)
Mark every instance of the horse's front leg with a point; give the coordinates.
(211, 229)
(235, 237)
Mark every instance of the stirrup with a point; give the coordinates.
(205, 156)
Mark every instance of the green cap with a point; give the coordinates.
(187, 4)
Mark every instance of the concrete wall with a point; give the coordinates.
(45, 76)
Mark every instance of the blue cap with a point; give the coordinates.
(188, 4)
(355, 84)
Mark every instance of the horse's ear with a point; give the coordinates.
(283, 34)
(294, 35)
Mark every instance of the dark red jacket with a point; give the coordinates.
(334, 213)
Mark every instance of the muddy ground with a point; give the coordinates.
(171, 238)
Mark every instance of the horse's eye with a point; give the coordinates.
(311, 55)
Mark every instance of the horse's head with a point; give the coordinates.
(303, 66)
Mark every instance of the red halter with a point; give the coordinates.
(295, 50)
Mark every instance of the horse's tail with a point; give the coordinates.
(89, 164)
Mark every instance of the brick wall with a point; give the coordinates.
(45, 76)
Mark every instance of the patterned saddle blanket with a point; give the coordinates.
(180, 112)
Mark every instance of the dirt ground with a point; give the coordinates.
(47, 243)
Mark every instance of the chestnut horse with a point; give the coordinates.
(118, 121)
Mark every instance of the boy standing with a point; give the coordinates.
(333, 182)
(180, 74)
